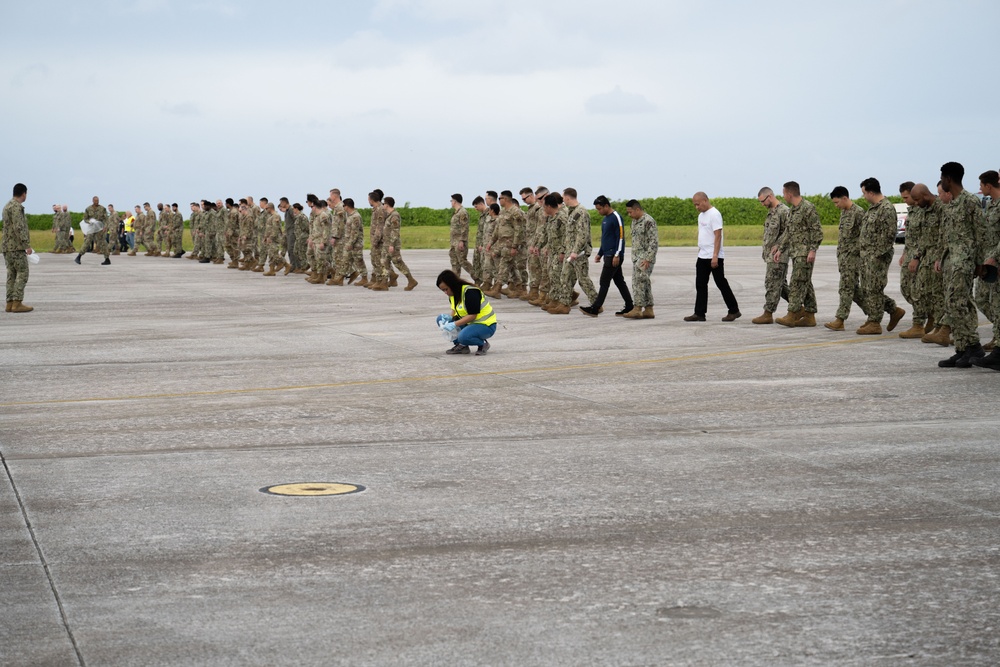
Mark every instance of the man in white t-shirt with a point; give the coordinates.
(711, 260)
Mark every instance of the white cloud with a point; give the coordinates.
(619, 102)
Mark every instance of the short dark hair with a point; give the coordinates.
(954, 171)
(990, 177)
(284, 200)
(602, 201)
(391, 202)
(20, 189)
(230, 202)
(265, 200)
(348, 203)
(634, 203)
(793, 188)
(297, 206)
(491, 193)
(541, 190)
(495, 209)
(457, 197)
(243, 201)
(526, 191)
(146, 203)
(570, 192)
(311, 198)
(906, 186)
(478, 200)
(508, 194)
(871, 185)
(839, 192)
(375, 196)
(553, 199)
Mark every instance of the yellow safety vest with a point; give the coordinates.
(486, 315)
(129, 223)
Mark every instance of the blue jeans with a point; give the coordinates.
(131, 240)
(475, 334)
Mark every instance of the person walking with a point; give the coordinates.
(612, 254)
(645, 243)
(775, 273)
(799, 244)
(711, 262)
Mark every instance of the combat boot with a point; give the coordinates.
(870, 329)
(233, 265)
(270, 271)
(532, 294)
(351, 278)
(894, 318)
(259, 268)
(790, 318)
(836, 325)
(991, 361)
(576, 298)
(560, 309)
(131, 253)
(288, 268)
(410, 283)
(492, 291)
(392, 279)
(380, 286)
(337, 281)
(218, 260)
(806, 319)
(971, 354)
(647, 313)
(941, 337)
(634, 314)
(540, 299)
(10, 305)
(929, 326)
(764, 318)
(363, 282)
(916, 331)
(18, 307)
(316, 279)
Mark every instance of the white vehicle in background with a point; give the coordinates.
(901, 214)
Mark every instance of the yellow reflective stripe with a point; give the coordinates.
(486, 315)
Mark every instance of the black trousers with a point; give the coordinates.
(611, 272)
(703, 271)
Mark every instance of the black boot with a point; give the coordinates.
(991, 361)
(972, 352)
(106, 262)
(951, 361)
(77, 260)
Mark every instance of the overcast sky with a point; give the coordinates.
(175, 100)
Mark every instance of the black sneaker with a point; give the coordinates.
(588, 310)
(951, 361)
(973, 352)
(483, 349)
(626, 309)
(458, 349)
(106, 262)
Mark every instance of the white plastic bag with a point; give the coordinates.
(33, 258)
(447, 327)
(91, 226)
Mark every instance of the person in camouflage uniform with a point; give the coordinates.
(354, 240)
(290, 245)
(231, 234)
(61, 226)
(380, 272)
(197, 215)
(645, 243)
(149, 238)
(878, 234)
(177, 232)
(310, 255)
(987, 295)
(556, 241)
(482, 264)
(163, 233)
(114, 239)
(16, 246)
(502, 247)
(319, 241)
(260, 221)
(302, 227)
(579, 243)
(908, 264)
(246, 217)
(848, 255)
(98, 240)
(393, 243)
(963, 227)
(799, 243)
(338, 249)
(458, 236)
(928, 288)
(538, 268)
(274, 241)
(775, 273)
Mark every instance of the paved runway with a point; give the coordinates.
(592, 492)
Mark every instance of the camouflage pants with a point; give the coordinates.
(800, 288)
(850, 291)
(557, 283)
(303, 252)
(959, 307)
(165, 234)
(642, 286)
(378, 259)
(537, 277)
(17, 274)
(177, 240)
(908, 288)
(873, 279)
(930, 292)
(231, 241)
(114, 242)
(356, 262)
(775, 285)
(988, 301)
(506, 267)
(460, 260)
(396, 259)
(62, 241)
(319, 259)
(98, 242)
(521, 264)
(578, 271)
(486, 271)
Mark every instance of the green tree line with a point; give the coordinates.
(665, 210)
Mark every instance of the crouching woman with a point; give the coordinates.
(471, 312)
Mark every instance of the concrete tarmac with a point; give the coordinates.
(591, 492)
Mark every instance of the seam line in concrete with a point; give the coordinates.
(45, 564)
(432, 378)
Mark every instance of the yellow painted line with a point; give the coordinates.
(312, 489)
(434, 378)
